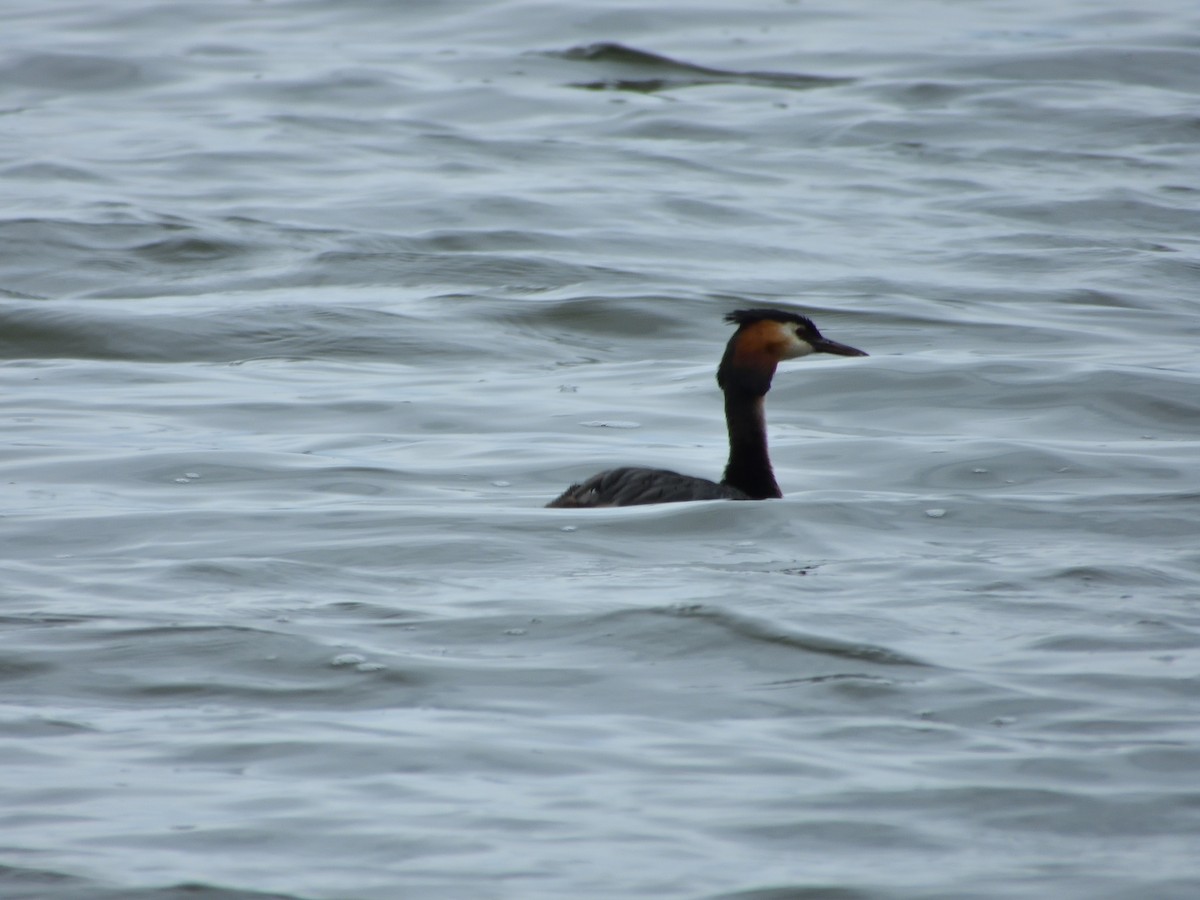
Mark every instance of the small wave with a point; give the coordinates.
(770, 632)
(630, 69)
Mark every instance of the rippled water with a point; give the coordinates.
(306, 308)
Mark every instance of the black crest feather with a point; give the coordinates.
(741, 317)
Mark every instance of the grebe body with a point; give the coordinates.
(764, 338)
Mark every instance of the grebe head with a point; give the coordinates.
(764, 338)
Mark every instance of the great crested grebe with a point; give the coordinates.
(763, 338)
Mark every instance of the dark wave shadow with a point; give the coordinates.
(748, 627)
(629, 69)
(46, 884)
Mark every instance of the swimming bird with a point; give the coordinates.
(764, 338)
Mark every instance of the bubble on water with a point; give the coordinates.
(935, 513)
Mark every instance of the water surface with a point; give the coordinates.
(306, 308)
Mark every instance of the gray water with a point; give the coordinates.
(307, 308)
